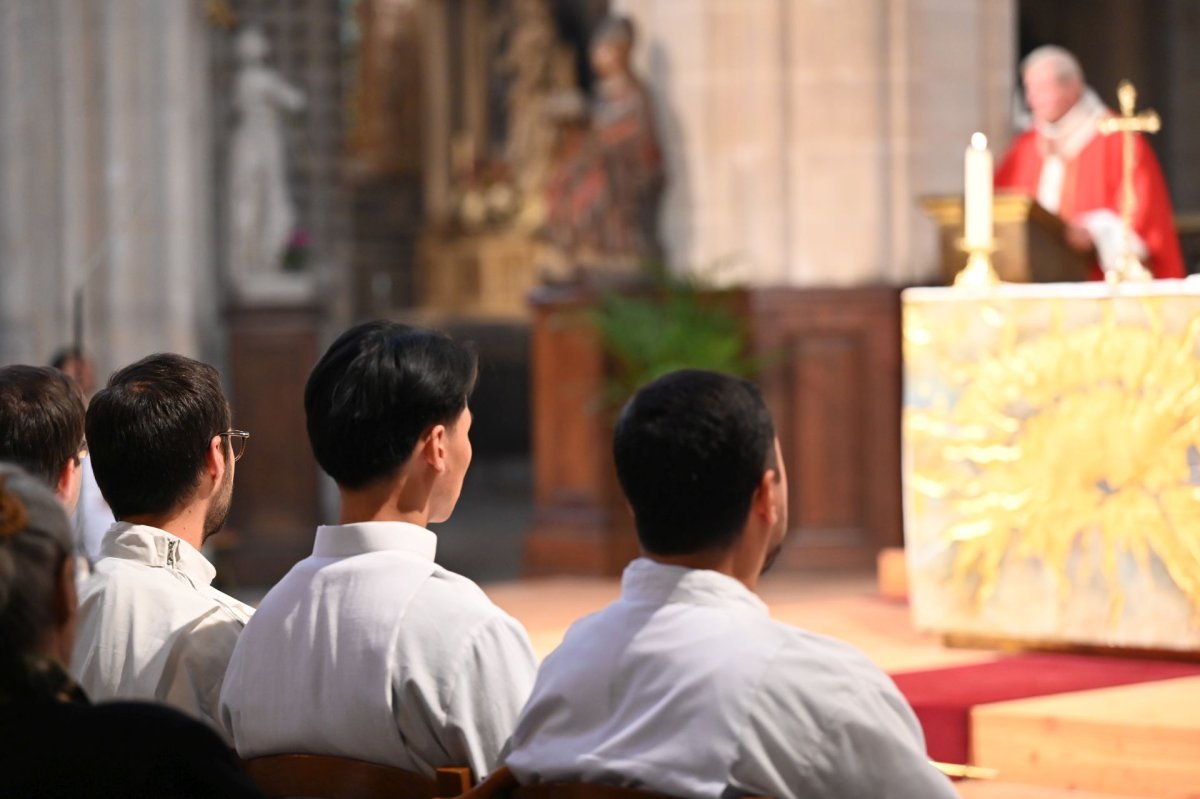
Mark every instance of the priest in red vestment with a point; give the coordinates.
(1075, 171)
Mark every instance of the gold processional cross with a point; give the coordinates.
(1128, 123)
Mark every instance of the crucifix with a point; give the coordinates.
(1127, 124)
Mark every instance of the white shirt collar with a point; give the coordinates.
(646, 580)
(158, 548)
(347, 540)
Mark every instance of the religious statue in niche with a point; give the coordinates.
(607, 177)
(532, 65)
(262, 217)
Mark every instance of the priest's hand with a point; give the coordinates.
(1079, 239)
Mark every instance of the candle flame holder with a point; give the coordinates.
(979, 272)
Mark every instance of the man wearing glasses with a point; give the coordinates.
(151, 626)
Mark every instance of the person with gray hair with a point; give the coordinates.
(56, 743)
(1073, 170)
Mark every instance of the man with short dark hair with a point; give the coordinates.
(41, 427)
(368, 649)
(685, 685)
(56, 743)
(151, 626)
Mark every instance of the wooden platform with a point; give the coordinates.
(1136, 741)
(1141, 740)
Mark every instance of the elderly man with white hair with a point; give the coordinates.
(1076, 172)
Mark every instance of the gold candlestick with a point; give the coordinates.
(979, 272)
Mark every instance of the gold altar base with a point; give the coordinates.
(484, 274)
(1015, 645)
(978, 273)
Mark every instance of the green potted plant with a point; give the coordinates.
(678, 322)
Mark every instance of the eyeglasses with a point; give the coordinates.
(237, 440)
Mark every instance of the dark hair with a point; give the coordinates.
(41, 420)
(690, 450)
(376, 390)
(149, 429)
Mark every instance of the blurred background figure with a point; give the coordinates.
(91, 517)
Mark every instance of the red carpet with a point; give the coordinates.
(943, 698)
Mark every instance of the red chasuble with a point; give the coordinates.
(1092, 180)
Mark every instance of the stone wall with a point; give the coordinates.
(105, 175)
(800, 133)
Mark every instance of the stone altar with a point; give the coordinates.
(1051, 463)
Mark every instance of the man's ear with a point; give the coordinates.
(66, 479)
(214, 460)
(764, 503)
(433, 447)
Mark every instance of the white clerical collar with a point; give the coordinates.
(646, 580)
(158, 548)
(347, 540)
(1068, 136)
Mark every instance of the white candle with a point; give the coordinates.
(978, 211)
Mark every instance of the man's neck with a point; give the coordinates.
(725, 562)
(186, 524)
(383, 504)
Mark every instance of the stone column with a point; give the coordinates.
(800, 133)
(106, 167)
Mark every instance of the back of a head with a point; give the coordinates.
(35, 542)
(149, 430)
(690, 450)
(376, 390)
(41, 419)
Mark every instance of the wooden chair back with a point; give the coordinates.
(329, 777)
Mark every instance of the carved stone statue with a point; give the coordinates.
(262, 218)
(539, 67)
(605, 185)
(623, 125)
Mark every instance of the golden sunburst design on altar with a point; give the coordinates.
(1074, 447)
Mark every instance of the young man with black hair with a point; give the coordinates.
(368, 649)
(685, 685)
(151, 626)
(41, 427)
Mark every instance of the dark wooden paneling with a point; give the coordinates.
(831, 377)
(581, 525)
(833, 384)
(275, 500)
(824, 393)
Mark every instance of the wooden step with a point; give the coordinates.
(978, 789)
(1133, 740)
